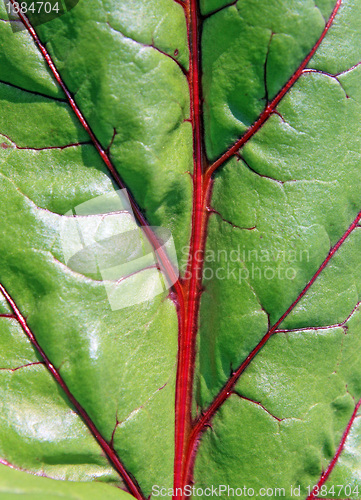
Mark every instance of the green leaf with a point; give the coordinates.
(218, 138)
(15, 484)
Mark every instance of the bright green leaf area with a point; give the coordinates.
(42, 425)
(296, 203)
(125, 82)
(133, 94)
(301, 392)
(278, 209)
(118, 364)
(251, 49)
(15, 484)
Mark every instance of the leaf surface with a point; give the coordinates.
(15, 484)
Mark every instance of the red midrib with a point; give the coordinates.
(192, 286)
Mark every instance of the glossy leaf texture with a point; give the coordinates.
(235, 126)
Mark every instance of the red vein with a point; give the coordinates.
(189, 327)
(28, 148)
(181, 2)
(326, 327)
(166, 265)
(151, 46)
(226, 391)
(12, 466)
(258, 404)
(211, 210)
(130, 275)
(5, 462)
(22, 366)
(40, 94)
(108, 450)
(325, 475)
(270, 108)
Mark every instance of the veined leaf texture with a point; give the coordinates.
(180, 250)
